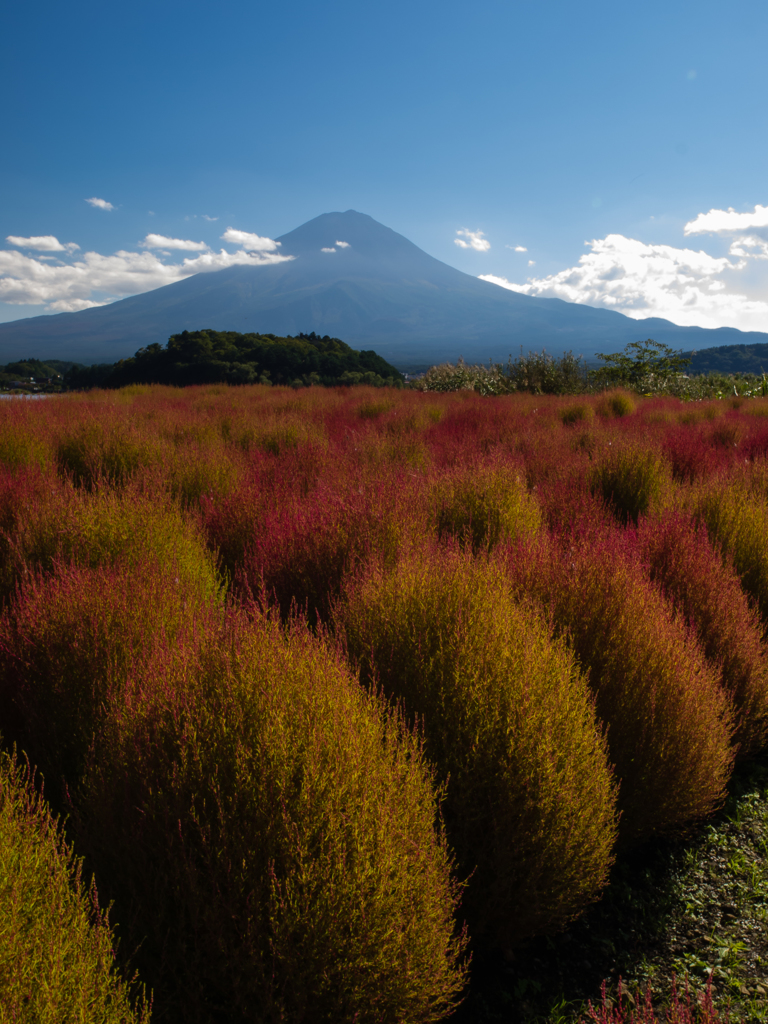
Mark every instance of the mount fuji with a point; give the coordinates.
(378, 291)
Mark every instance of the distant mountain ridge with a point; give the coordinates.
(379, 292)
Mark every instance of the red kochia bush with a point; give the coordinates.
(68, 642)
(268, 831)
(705, 590)
(508, 721)
(669, 723)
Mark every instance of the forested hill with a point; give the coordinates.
(209, 357)
(729, 359)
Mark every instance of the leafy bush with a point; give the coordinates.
(706, 592)
(668, 721)
(509, 724)
(483, 505)
(267, 830)
(56, 946)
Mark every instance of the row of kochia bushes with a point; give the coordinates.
(557, 616)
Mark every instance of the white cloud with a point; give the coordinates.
(531, 263)
(162, 242)
(248, 241)
(93, 279)
(72, 305)
(328, 250)
(100, 204)
(689, 288)
(342, 245)
(206, 217)
(516, 248)
(476, 240)
(727, 221)
(43, 243)
(743, 247)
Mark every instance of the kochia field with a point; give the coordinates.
(334, 686)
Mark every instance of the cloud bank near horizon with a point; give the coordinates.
(688, 287)
(96, 280)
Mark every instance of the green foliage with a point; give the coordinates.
(509, 724)
(279, 844)
(542, 374)
(56, 946)
(485, 505)
(537, 373)
(209, 356)
(640, 361)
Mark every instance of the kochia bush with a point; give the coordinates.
(269, 831)
(482, 505)
(56, 946)
(668, 721)
(509, 723)
(705, 590)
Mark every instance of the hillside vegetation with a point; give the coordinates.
(365, 705)
(212, 357)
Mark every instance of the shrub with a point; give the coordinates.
(308, 546)
(509, 724)
(738, 521)
(268, 830)
(98, 451)
(482, 505)
(631, 479)
(104, 528)
(706, 592)
(668, 721)
(615, 403)
(56, 946)
(579, 413)
(68, 642)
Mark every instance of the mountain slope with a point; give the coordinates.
(380, 291)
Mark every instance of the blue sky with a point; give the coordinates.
(536, 126)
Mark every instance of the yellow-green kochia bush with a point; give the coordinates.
(669, 723)
(483, 505)
(632, 479)
(56, 946)
(270, 833)
(105, 527)
(509, 723)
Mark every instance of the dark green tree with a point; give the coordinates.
(638, 361)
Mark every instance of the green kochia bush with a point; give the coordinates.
(668, 720)
(105, 528)
(484, 505)
(273, 828)
(56, 947)
(631, 479)
(509, 723)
